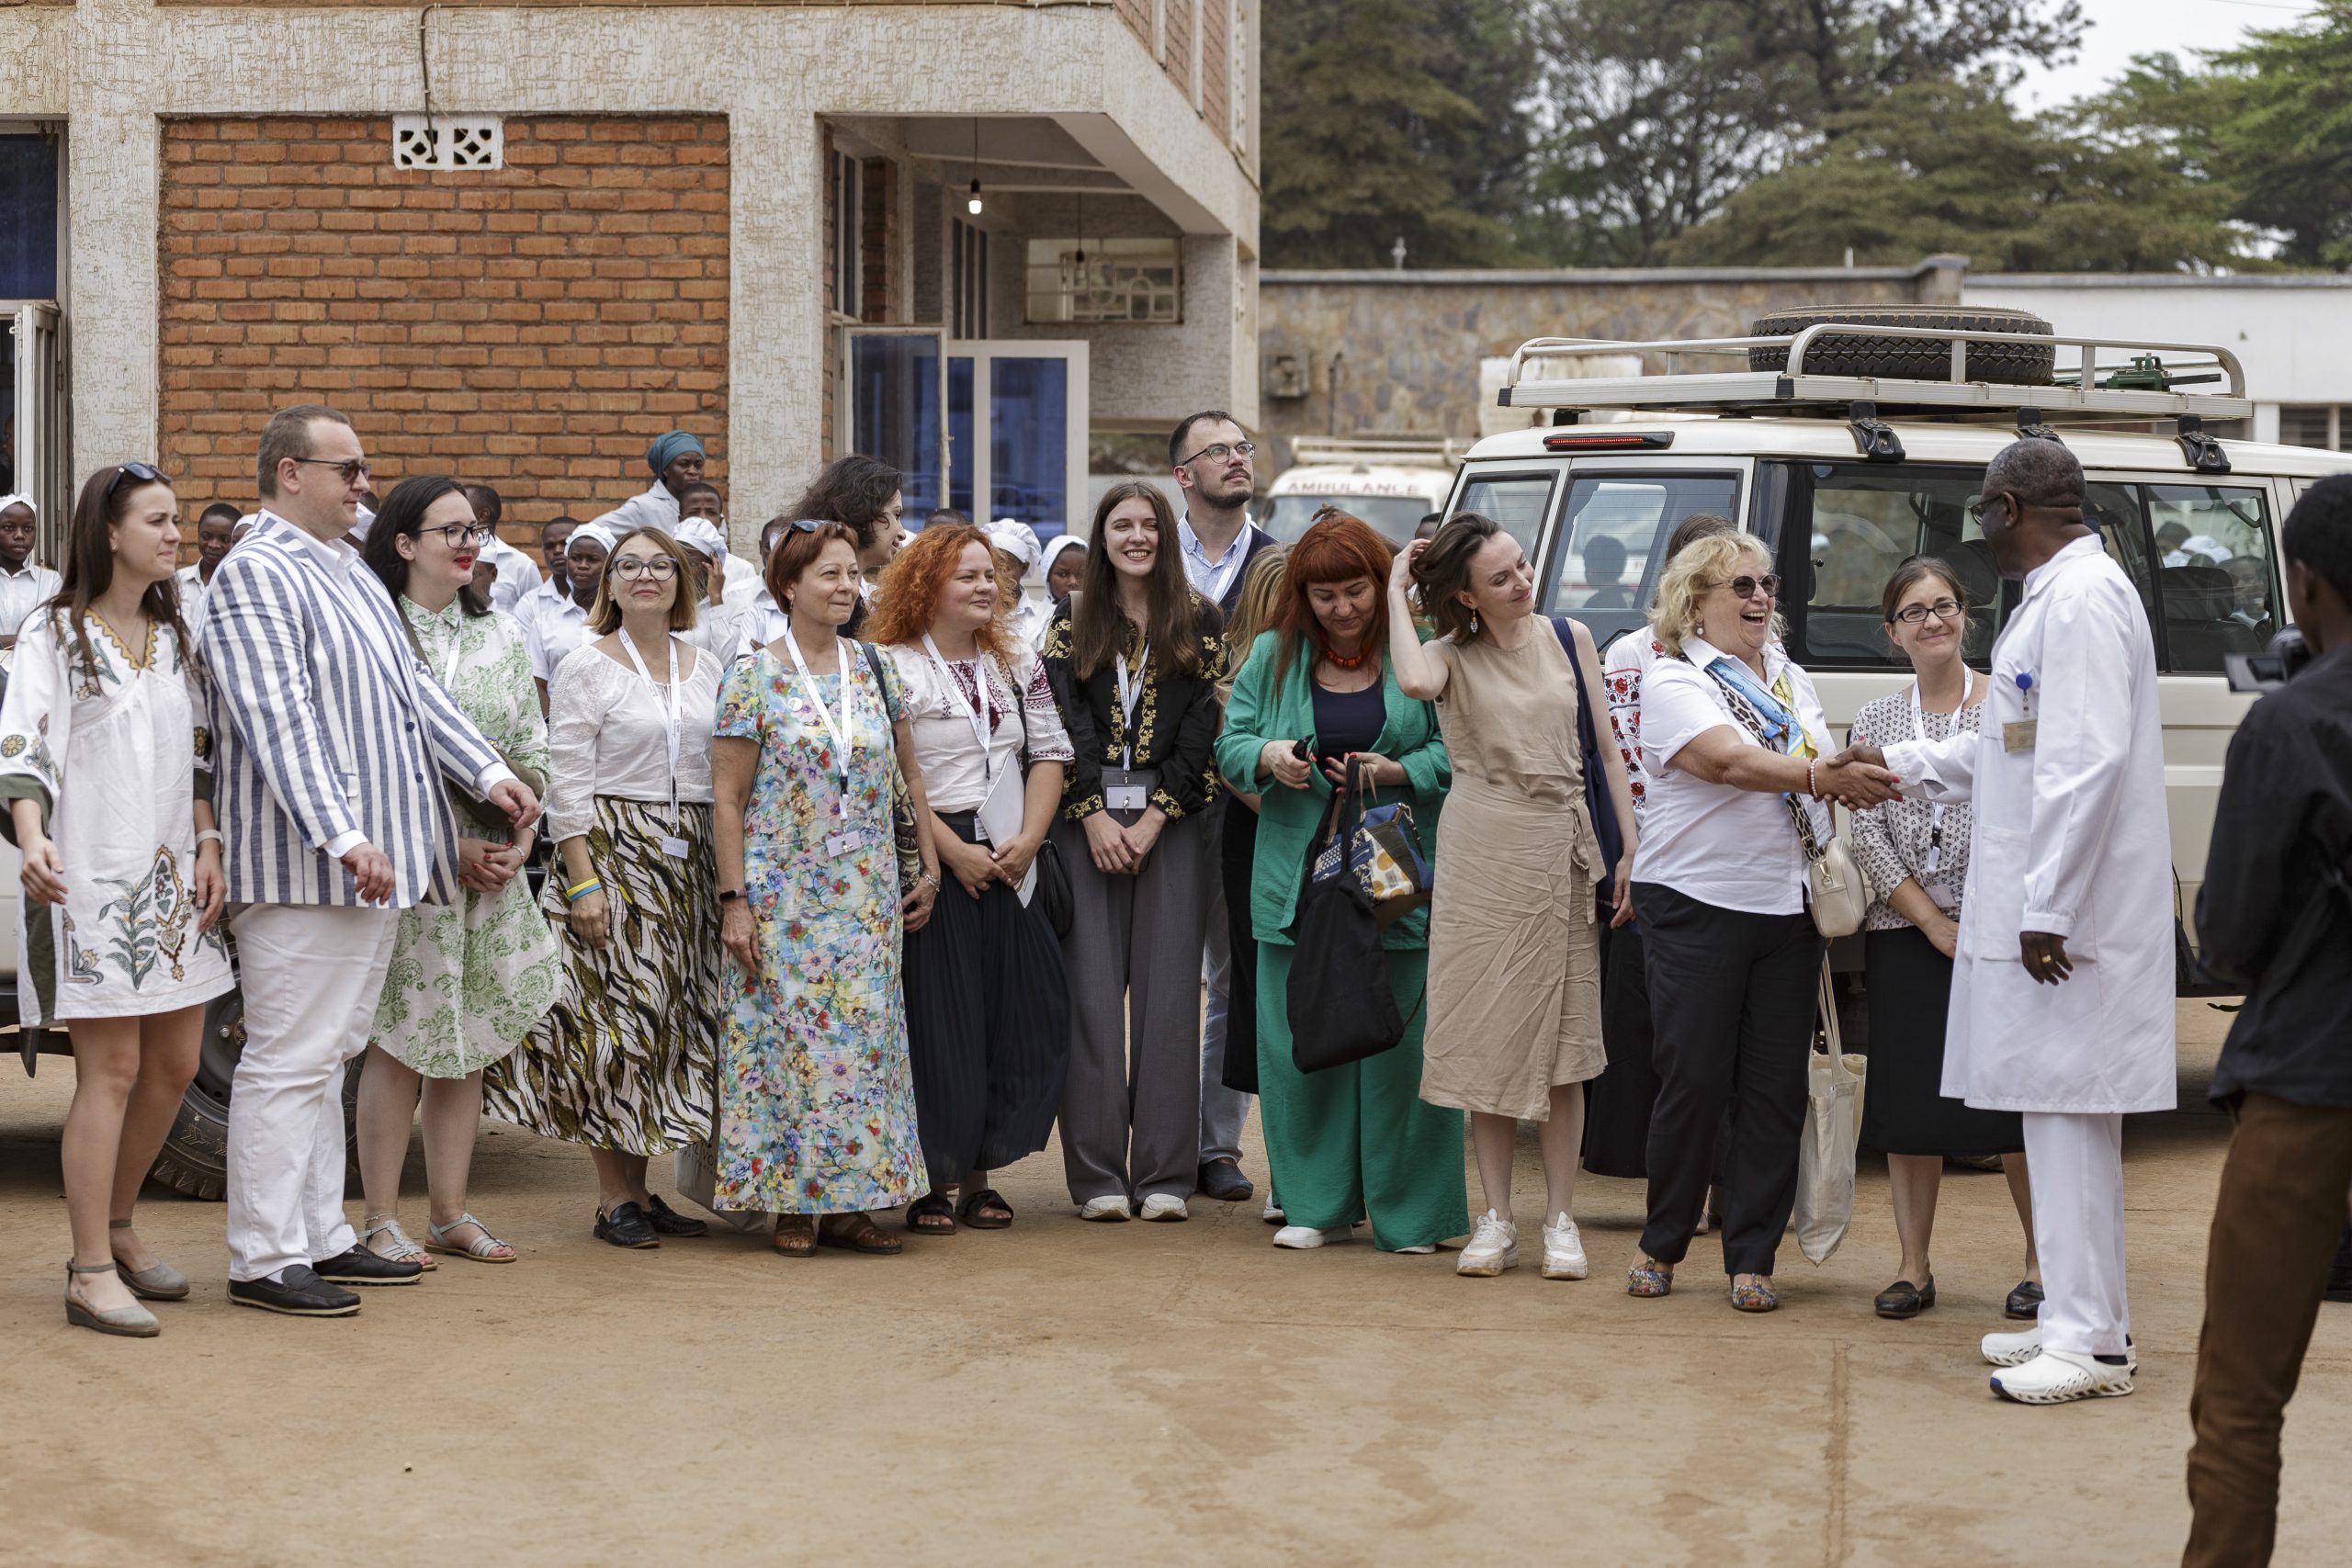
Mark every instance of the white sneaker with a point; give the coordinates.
(2060, 1377)
(1109, 1210)
(1421, 1251)
(1165, 1206)
(2017, 1350)
(1306, 1238)
(1494, 1246)
(1564, 1249)
(1273, 1214)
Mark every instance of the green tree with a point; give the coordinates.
(1393, 119)
(1950, 166)
(1654, 115)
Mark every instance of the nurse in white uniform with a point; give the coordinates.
(2062, 1000)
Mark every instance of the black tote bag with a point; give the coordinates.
(1341, 1009)
(1599, 803)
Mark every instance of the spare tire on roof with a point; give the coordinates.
(1910, 359)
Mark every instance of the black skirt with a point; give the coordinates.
(1903, 1108)
(1617, 1104)
(988, 1027)
(1238, 849)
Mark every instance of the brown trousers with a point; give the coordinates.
(2275, 1230)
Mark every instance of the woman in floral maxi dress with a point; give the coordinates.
(468, 980)
(816, 1113)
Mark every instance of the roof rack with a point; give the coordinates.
(2094, 390)
(1396, 448)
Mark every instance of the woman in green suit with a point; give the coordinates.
(1355, 1139)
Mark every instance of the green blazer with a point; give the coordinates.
(1289, 820)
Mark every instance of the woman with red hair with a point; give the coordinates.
(1355, 1139)
(988, 1003)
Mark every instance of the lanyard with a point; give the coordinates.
(979, 720)
(1130, 697)
(840, 733)
(670, 722)
(1935, 812)
(457, 651)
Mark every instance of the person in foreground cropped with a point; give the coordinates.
(2062, 992)
(2276, 914)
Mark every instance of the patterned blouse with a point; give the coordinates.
(1175, 723)
(954, 774)
(1892, 840)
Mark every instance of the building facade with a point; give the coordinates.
(514, 243)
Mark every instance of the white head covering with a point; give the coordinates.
(1014, 538)
(1060, 543)
(2204, 545)
(24, 500)
(702, 534)
(597, 533)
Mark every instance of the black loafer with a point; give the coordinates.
(668, 1221)
(625, 1225)
(1903, 1299)
(361, 1267)
(300, 1294)
(1222, 1180)
(2024, 1303)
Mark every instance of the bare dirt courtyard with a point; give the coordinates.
(1069, 1394)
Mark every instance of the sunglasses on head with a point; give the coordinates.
(145, 473)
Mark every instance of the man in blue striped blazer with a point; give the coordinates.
(333, 743)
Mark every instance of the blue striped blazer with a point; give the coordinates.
(325, 724)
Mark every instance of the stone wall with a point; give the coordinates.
(1406, 346)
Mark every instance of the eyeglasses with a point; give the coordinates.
(1942, 609)
(660, 568)
(1745, 587)
(144, 473)
(1218, 452)
(353, 470)
(458, 535)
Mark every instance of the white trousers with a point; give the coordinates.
(312, 978)
(2077, 1165)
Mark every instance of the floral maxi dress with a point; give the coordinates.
(111, 746)
(469, 980)
(816, 1096)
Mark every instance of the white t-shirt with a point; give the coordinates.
(552, 629)
(1735, 849)
(517, 574)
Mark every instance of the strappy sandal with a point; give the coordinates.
(484, 1247)
(795, 1236)
(932, 1214)
(403, 1250)
(857, 1233)
(1757, 1295)
(1649, 1277)
(986, 1210)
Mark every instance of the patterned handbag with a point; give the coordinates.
(1379, 846)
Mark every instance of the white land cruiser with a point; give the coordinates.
(1390, 483)
(1849, 438)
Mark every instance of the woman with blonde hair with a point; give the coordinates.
(1735, 746)
(624, 1061)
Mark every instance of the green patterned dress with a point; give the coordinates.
(469, 981)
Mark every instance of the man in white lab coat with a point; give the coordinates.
(2062, 999)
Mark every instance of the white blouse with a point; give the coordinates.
(608, 734)
(1735, 849)
(954, 775)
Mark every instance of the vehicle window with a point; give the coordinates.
(1616, 526)
(1866, 520)
(1517, 501)
(2217, 584)
(1393, 517)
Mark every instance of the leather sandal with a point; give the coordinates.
(2025, 1301)
(857, 1233)
(1904, 1300)
(795, 1236)
(400, 1250)
(484, 1247)
(986, 1210)
(932, 1214)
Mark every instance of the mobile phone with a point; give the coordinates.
(1302, 750)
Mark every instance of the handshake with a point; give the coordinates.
(1857, 779)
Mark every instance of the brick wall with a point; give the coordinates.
(1216, 24)
(1182, 17)
(531, 327)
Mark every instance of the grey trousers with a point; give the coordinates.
(1131, 1109)
(1223, 1110)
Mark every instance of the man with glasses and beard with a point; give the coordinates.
(1213, 460)
(331, 742)
(2062, 996)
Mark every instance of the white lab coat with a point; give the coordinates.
(2070, 838)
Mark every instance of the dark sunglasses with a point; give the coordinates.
(1746, 587)
(145, 473)
(353, 470)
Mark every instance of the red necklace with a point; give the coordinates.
(1343, 661)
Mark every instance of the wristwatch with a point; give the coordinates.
(725, 894)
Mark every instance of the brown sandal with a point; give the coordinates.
(795, 1236)
(857, 1233)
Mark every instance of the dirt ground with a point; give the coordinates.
(1062, 1392)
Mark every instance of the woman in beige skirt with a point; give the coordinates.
(1514, 991)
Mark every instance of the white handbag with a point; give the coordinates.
(1833, 887)
(1832, 1129)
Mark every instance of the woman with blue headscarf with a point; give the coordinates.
(676, 460)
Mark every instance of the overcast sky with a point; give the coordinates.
(2118, 29)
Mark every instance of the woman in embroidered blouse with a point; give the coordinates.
(1916, 856)
(103, 760)
(1733, 739)
(467, 981)
(987, 1000)
(817, 1110)
(623, 1063)
(1134, 659)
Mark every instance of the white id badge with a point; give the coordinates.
(675, 848)
(1940, 894)
(1127, 798)
(839, 844)
(2016, 735)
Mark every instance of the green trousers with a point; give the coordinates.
(1356, 1140)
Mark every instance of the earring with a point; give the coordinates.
(1474, 622)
